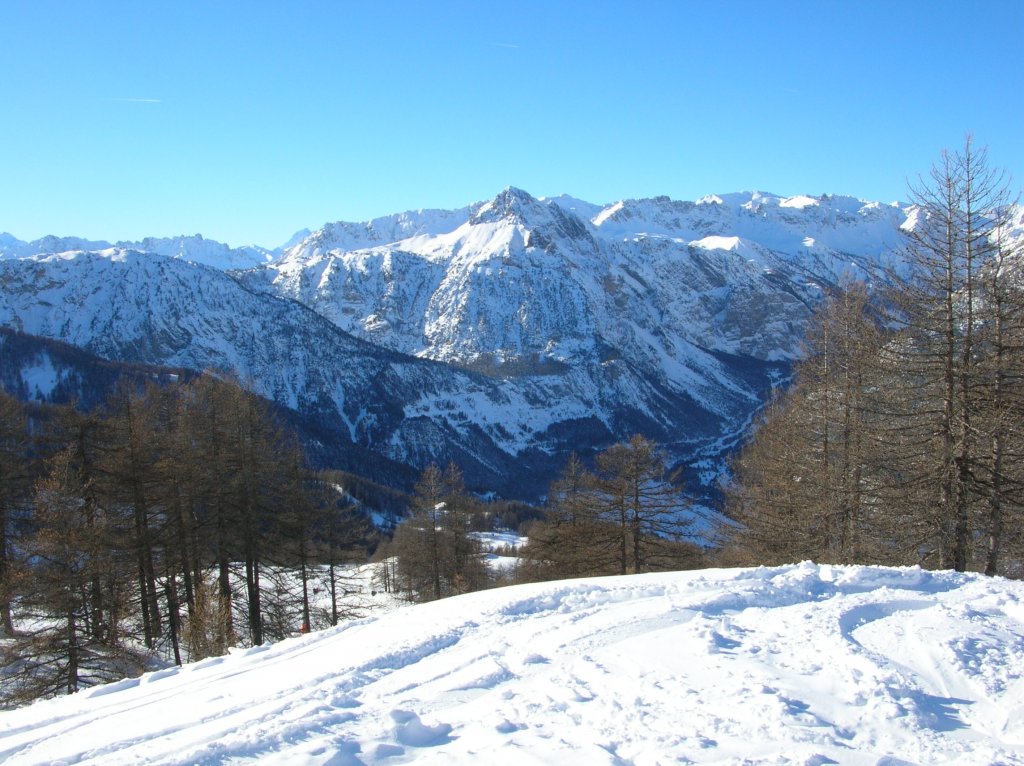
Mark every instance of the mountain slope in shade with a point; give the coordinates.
(39, 370)
(792, 665)
(35, 369)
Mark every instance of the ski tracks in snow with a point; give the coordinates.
(801, 665)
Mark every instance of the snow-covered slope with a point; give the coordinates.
(803, 664)
(689, 311)
(509, 433)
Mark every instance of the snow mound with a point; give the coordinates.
(801, 664)
(717, 243)
(799, 202)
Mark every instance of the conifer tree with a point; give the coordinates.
(436, 555)
(73, 545)
(961, 207)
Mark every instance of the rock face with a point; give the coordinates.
(502, 335)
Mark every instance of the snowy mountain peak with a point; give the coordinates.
(295, 239)
(510, 204)
(207, 252)
(385, 230)
(542, 223)
(12, 247)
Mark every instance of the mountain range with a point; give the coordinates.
(503, 335)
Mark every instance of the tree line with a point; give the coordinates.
(902, 437)
(179, 520)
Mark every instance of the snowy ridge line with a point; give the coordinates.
(194, 249)
(802, 664)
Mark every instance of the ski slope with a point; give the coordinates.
(802, 664)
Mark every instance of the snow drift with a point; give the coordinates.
(801, 665)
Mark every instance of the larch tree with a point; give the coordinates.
(643, 499)
(73, 545)
(899, 441)
(15, 492)
(572, 540)
(960, 209)
(436, 555)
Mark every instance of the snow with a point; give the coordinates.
(195, 249)
(497, 546)
(41, 378)
(710, 199)
(801, 664)
(799, 202)
(607, 213)
(715, 242)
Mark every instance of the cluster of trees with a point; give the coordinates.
(902, 438)
(179, 520)
(627, 516)
(433, 553)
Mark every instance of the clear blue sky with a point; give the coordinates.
(247, 121)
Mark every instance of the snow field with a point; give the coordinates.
(800, 665)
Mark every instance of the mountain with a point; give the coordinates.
(137, 307)
(800, 664)
(518, 276)
(502, 335)
(196, 249)
(688, 311)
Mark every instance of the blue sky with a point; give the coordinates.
(247, 121)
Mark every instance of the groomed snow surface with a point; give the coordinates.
(802, 664)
